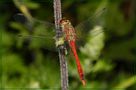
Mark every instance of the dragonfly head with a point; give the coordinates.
(64, 22)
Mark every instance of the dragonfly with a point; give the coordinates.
(69, 35)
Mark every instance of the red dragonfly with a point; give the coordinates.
(70, 35)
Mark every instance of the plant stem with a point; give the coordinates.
(61, 48)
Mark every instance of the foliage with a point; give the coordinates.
(108, 59)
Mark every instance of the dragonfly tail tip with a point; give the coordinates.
(83, 82)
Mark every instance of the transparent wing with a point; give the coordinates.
(35, 26)
(86, 27)
(37, 34)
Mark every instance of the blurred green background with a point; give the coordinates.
(108, 59)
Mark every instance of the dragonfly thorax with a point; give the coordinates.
(68, 30)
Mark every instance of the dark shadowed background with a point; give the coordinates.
(108, 57)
